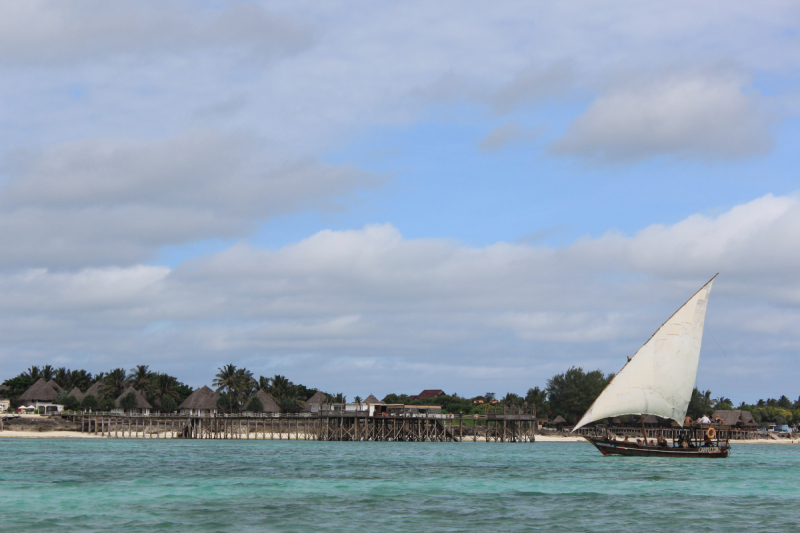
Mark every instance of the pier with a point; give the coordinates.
(322, 427)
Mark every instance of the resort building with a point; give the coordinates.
(41, 396)
(55, 385)
(269, 405)
(427, 394)
(312, 405)
(202, 401)
(142, 405)
(4, 405)
(95, 390)
(735, 418)
(76, 392)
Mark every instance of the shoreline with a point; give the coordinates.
(12, 434)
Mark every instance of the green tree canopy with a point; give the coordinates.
(89, 403)
(129, 402)
(255, 405)
(571, 394)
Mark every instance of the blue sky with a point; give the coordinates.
(399, 196)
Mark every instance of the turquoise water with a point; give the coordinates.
(141, 485)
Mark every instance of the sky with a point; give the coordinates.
(379, 197)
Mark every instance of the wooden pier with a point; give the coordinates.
(323, 427)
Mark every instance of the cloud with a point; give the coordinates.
(47, 31)
(501, 136)
(685, 117)
(405, 310)
(533, 84)
(116, 201)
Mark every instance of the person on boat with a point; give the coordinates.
(662, 442)
(639, 442)
(626, 440)
(704, 420)
(707, 442)
(688, 421)
(684, 444)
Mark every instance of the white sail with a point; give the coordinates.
(659, 378)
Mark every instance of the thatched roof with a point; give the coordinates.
(269, 403)
(317, 399)
(372, 400)
(735, 417)
(55, 385)
(77, 393)
(650, 419)
(558, 420)
(40, 391)
(141, 402)
(5, 387)
(201, 399)
(95, 390)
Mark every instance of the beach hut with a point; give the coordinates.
(142, 405)
(95, 390)
(558, 422)
(312, 405)
(735, 418)
(269, 405)
(202, 401)
(41, 395)
(56, 386)
(427, 394)
(76, 392)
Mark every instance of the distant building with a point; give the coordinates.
(142, 405)
(427, 394)
(202, 401)
(76, 392)
(268, 403)
(735, 418)
(95, 390)
(40, 395)
(4, 405)
(55, 385)
(312, 404)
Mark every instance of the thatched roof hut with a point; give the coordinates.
(76, 392)
(318, 399)
(95, 390)
(735, 418)
(202, 399)
(39, 392)
(55, 385)
(269, 403)
(141, 401)
(558, 421)
(372, 400)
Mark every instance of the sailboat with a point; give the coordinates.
(658, 380)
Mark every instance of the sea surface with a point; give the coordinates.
(175, 485)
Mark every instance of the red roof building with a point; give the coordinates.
(427, 394)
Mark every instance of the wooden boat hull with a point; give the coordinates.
(632, 449)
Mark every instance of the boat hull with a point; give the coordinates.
(631, 449)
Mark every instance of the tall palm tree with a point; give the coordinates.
(33, 373)
(114, 383)
(225, 380)
(166, 386)
(357, 399)
(281, 387)
(264, 383)
(62, 377)
(141, 378)
(47, 372)
(81, 379)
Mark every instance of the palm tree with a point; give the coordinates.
(264, 383)
(62, 377)
(114, 383)
(166, 386)
(33, 373)
(81, 379)
(47, 372)
(357, 399)
(141, 378)
(225, 380)
(281, 387)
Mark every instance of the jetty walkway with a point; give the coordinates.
(323, 427)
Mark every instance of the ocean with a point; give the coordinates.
(84, 485)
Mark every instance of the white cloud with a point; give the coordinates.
(507, 133)
(698, 116)
(405, 309)
(117, 201)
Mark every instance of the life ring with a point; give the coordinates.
(711, 433)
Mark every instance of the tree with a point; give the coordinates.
(71, 403)
(168, 405)
(33, 373)
(784, 402)
(115, 382)
(225, 381)
(537, 399)
(699, 404)
(107, 405)
(281, 388)
(255, 405)
(47, 373)
(141, 379)
(357, 399)
(89, 403)
(129, 402)
(224, 402)
(288, 405)
(165, 386)
(573, 392)
(512, 400)
(263, 383)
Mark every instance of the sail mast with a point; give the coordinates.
(659, 378)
